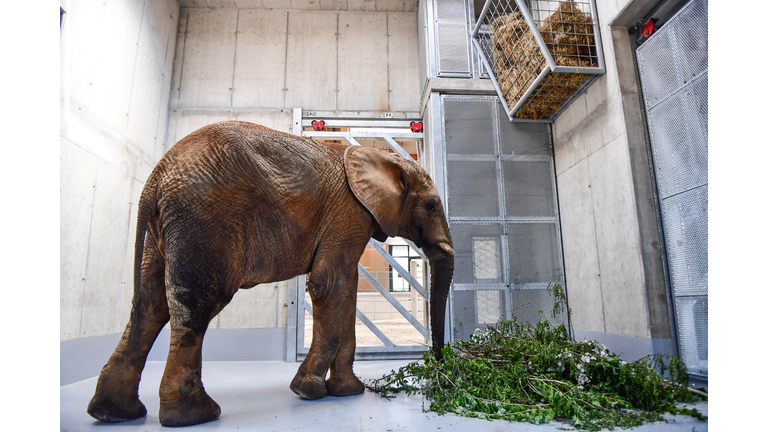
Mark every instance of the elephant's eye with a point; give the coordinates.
(430, 208)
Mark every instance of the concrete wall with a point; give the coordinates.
(351, 5)
(116, 64)
(127, 64)
(258, 64)
(613, 262)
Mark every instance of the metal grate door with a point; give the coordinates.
(673, 67)
(502, 209)
(392, 294)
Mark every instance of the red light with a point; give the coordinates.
(416, 127)
(318, 125)
(648, 29)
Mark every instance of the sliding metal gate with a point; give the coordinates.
(503, 214)
(673, 66)
(406, 318)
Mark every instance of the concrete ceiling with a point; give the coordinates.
(350, 5)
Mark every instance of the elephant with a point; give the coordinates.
(235, 204)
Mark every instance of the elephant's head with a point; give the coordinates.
(404, 201)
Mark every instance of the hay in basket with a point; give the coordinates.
(517, 59)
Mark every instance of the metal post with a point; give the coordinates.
(291, 340)
(297, 121)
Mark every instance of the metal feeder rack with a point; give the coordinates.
(541, 55)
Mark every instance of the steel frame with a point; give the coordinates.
(551, 66)
(502, 219)
(295, 349)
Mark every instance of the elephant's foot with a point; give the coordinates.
(347, 385)
(115, 408)
(309, 386)
(192, 409)
(117, 394)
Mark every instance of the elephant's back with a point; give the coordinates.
(248, 185)
(226, 153)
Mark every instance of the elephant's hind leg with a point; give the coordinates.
(183, 399)
(117, 391)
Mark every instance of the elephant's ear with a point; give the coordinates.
(379, 183)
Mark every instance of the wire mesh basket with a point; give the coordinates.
(541, 54)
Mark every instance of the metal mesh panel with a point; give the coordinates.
(519, 138)
(451, 9)
(478, 255)
(698, 104)
(673, 72)
(497, 247)
(528, 188)
(692, 40)
(534, 254)
(508, 41)
(452, 47)
(680, 146)
(656, 59)
(452, 37)
(464, 310)
(472, 189)
(692, 330)
(685, 229)
(469, 127)
(526, 305)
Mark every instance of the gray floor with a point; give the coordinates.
(255, 396)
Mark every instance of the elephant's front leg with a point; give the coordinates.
(343, 381)
(333, 303)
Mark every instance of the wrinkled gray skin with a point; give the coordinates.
(235, 204)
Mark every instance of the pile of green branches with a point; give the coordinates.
(537, 373)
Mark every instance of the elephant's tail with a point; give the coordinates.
(147, 208)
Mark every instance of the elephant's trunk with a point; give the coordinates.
(441, 265)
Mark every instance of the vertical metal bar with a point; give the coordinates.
(598, 37)
(504, 240)
(440, 156)
(413, 270)
(291, 340)
(559, 233)
(296, 128)
(431, 38)
(438, 146)
(301, 283)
